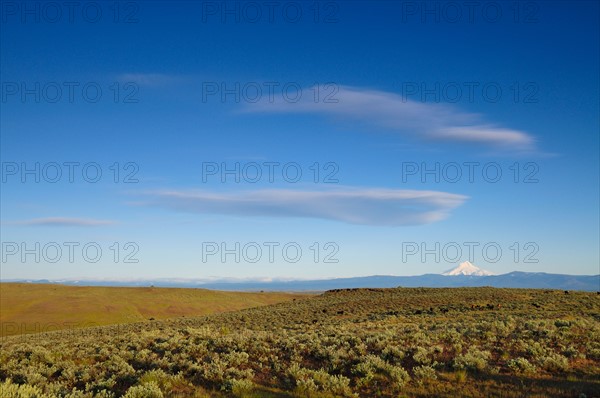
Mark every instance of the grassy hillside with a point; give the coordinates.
(31, 308)
(477, 342)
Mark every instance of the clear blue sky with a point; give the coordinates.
(402, 86)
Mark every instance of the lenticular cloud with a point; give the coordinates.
(435, 121)
(354, 206)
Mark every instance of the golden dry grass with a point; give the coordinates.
(30, 308)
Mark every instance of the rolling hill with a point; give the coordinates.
(33, 308)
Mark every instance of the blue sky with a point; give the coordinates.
(403, 87)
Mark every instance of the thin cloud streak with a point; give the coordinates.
(63, 222)
(385, 207)
(438, 122)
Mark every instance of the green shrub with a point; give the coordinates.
(554, 363)
(374, 371)
(474, 359)
(560, 323)
(148, 390)
(239, 388)
(521, 366)
(424, 373)
(572, 352)
(309, 382)
(421, 356)
(536, 350)
(10, 390)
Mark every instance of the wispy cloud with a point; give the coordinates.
(355, 206)
(62, 222)
(438, 122)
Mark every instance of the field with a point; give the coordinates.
(413, 342)
(31, 308)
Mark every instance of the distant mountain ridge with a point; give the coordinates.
(516, 279)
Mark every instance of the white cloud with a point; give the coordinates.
(488, 135)
(391, 111)
(355, 206)
(63, 222)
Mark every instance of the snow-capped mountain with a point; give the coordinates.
(467, 268)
